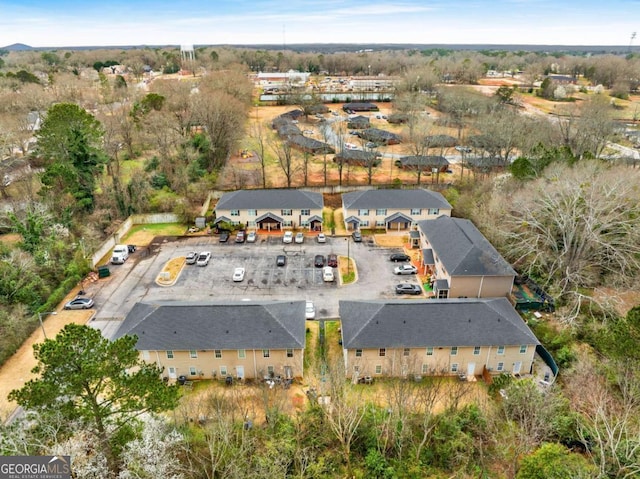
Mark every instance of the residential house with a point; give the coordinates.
(360, 106)
(310, 145)
(358, 158)
(246, 340)
(398, 118)
(460, 260)
(466, 337)
(358, 122)
(423, 162)
(393, 210)
(380, 137)
(270, 210)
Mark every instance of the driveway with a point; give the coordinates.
(134, 281)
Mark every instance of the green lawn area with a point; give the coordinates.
(158, 229)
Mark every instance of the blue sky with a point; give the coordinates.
(59, 23)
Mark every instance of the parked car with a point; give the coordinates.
(281, 260)
(310, 310)
(203, 258)
(79, 303)
(240, 236)
(408, 288)
(192, 257)
(400, 257)
(321, 238)
(299, 238)
(327, 274)
(238, 274)
(405, 269)
(287, 237)
(357, 236)
(131, 248)
(224, 237)
(332, 260)
(318, 261)
(251, 237)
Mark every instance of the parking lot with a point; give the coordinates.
(298, 279)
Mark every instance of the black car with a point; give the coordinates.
(224, 237)
(131, 248)
(332, 260)
(318, 261)
(281, 260)
(407, 288)
(399, 257)
(357, 237)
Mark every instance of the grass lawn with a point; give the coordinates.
(142, 235)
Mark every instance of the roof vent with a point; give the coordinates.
(175, 332)
(469, 319)
(227, 331)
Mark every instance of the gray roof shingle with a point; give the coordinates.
(432, 323)
(178, 325)
(394, 199)
(463, 250)
(276, 199)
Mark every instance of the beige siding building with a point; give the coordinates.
(436, 337)
(271, 210)
(461, 262)
(205, 341)
(393, 210)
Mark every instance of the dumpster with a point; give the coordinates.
(103, 271)
(182, 380)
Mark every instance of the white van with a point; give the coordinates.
(120, 254)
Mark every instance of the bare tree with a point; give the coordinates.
(283, 151)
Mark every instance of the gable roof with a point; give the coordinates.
(275, 199)
(394, 199)
(462, 249)
(422, 160)
(432, 323)
(178, 325)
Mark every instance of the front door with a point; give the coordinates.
(240, 372)
(172, 373)
(471, 369)
(517, 366)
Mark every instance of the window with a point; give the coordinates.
(443, 293)
(286, 212)
(500, 367)
(235, 212)
(500, 349)
(380, 223)
(454, 367)
(476, 350)
(287, 223)
(251, 224)
(223, 370)
(406, 352)
(242, 354)
(523, 349)
(378, 369)
(425, 368)
(416, 211)
(289, 353)
(252, 212)
(364, 224)
(305, 212)
(270, 371)
(192, 371)
(265, 353)
(434, 211)
(381, 212)
(430, 351)
(218, 353)
(382, 352)
(193, 354)
(304, 223)
(454, 350)
(358, 353)
(363, 212)
(169, 354)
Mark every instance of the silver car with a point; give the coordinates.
(79, 303)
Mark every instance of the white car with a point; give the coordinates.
(203, 258)
(310, 310)
(321, 238)
(288, 237)
(251, 237)
(238, 274)
(299, 238)
(405, 269)
(327, 274)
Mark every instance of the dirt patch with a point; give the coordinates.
(17, 370)
(171, 271)
(622, 301)
(391, 241)
(10, 238)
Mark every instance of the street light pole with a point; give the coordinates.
(40, 315)
(348, 257)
